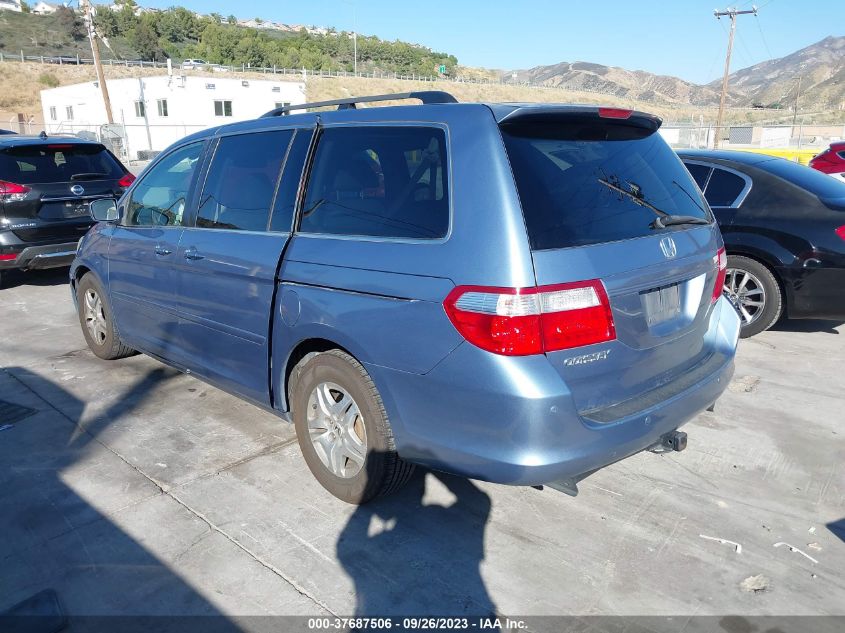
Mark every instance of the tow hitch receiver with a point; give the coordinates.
(672, 441)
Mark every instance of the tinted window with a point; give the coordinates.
(699, 173)
(581, 181)
(379, 181)
(57, 162)
(724, 188)
(241, 181)
(159, 198)
(289, 186)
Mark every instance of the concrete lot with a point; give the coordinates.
(136, 490)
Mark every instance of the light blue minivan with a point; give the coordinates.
(516, 293)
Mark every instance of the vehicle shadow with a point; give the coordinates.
(807, 325)
(837, 528)
(54, 539)
(46, 277)
(442, 544)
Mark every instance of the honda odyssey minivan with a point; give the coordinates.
(517, 293)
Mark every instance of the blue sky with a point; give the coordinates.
(673, 37)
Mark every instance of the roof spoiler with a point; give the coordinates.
(543, 113)
(351, 103)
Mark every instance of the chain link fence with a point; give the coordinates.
(797, 142)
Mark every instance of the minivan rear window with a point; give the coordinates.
(58, 162)
(571, 175)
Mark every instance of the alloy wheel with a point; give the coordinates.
(337, 431)
(747, 294)
(95, 317)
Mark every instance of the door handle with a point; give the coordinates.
(161, 250)
(192, 254)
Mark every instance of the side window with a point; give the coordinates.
(699, 173)
(283, 208)
(159, 199)
(380, 182)
(241, 181)
(724, 188)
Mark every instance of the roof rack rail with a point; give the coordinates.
(426, 96)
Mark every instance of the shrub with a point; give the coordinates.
(48, 79)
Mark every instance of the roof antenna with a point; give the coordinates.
(43, 135)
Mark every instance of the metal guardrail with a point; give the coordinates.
(305, 73)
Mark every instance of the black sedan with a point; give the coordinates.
(784, 230)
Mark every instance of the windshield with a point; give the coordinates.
(586, 183)
(28, 164)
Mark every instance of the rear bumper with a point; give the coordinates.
(512, 420)
(45, 256)
(815, 293)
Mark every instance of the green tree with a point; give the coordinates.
(145, 40)
(70, 23)
(106, 22)
(177, 25)
(232, 20)
(25, 8)
(126, 20)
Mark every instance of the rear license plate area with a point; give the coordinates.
(76, 210)
(662, 304)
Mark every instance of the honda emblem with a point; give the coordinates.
(667, 245)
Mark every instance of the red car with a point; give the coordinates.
(831, 161)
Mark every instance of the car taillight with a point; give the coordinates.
(12, 192)
(11, 189)
(524, 321)
(8, 257)
(721, 262)
(127, 180)
(841, 232)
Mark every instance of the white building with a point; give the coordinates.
(11, 5)
(150, 113)
(44, 8)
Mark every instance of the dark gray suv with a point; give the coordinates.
(46, 185)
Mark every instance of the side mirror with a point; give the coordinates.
(104, 210)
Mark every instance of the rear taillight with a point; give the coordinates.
(126, 181)
(721, 262)
(12, 192)
(8, 257)
(841, 232)
(13, 189)
(523, 321)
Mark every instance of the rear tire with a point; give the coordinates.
(343, 430)
(97, 320)
(755, 293)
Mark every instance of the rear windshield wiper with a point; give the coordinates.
(90, 175)
(663, 219)
(676, 220)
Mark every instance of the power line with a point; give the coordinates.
(763, 37)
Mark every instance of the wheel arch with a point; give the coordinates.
(764, 260)
(301, 350)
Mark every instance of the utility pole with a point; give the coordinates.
(732, 13)
(86, 6)
(797, 96)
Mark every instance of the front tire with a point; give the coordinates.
(343, 430)
(97, 320)
(755, 294)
